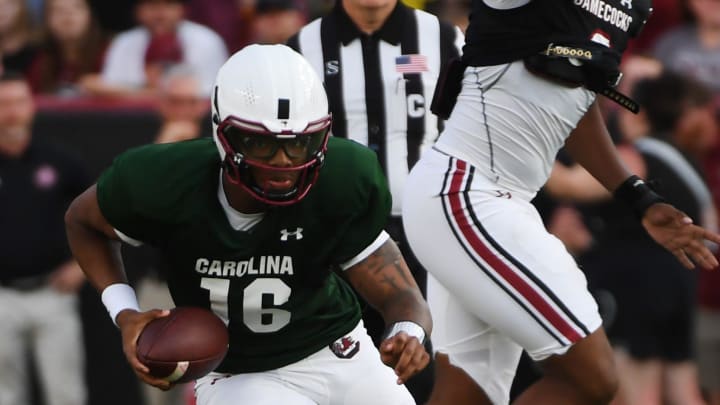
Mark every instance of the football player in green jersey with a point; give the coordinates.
(266, 235)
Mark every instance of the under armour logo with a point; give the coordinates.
(626, 3)
(285, 234)
(503, 194)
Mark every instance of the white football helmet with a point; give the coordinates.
(268, 97)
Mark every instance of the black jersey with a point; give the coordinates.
(497, 36)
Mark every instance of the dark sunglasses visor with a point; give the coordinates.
(256, 145)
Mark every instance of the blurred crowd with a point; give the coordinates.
(167, 52)
(72, 48)
(75, 48)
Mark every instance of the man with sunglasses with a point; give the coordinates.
(266, 235)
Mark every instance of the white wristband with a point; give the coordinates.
(118, 297)
(409, 327)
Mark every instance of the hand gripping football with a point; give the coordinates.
(183, 346)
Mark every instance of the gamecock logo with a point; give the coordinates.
(345, 347)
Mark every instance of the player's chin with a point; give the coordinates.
(278, 186)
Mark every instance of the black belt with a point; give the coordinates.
(26, 283)
(598, 72)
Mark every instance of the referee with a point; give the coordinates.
(380, 61)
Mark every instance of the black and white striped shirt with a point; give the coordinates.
(380, 86)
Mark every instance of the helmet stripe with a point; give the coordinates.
(283, 109)
(216, 114)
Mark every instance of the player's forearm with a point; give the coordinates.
(98, 257)
(385, 282)
(574, 184)
(590, 145)
(97, 254)
(407, 306)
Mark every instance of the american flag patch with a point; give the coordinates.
(411, 64)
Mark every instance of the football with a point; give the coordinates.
(183, 346)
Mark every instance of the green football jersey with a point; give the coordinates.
(275, 284)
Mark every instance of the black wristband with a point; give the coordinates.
(637, 195)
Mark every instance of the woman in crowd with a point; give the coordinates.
(74, 46)
(17, 45)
